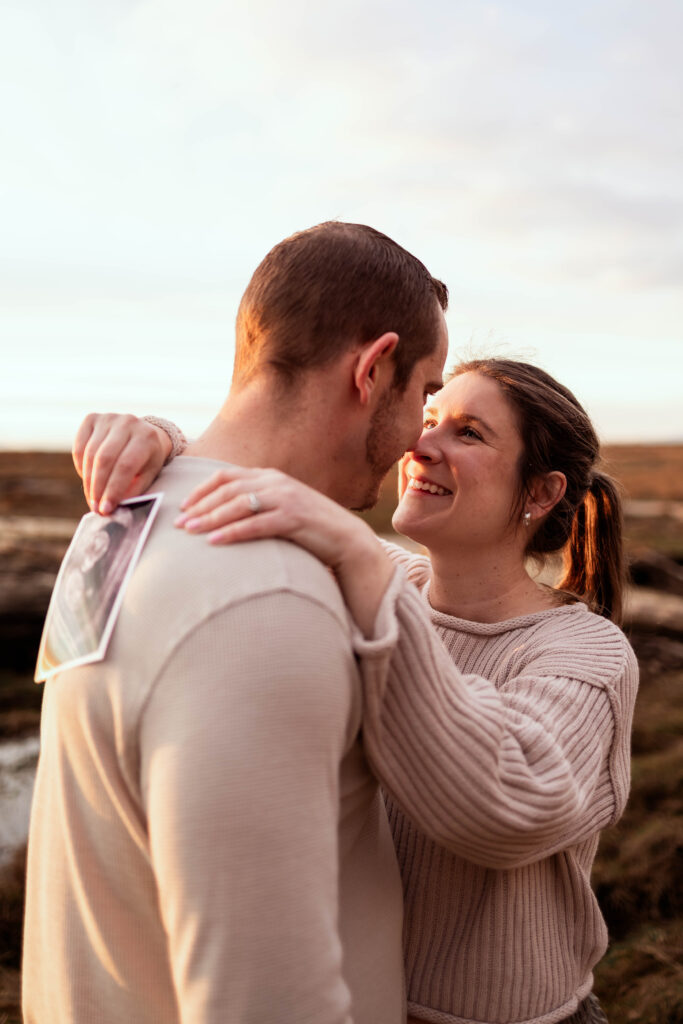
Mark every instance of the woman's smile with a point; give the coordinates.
(422, 485)
(466, 462)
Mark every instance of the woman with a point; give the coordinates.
(498, 709)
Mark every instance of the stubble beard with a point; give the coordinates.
(382, 449)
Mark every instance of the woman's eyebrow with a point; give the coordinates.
(466, 417)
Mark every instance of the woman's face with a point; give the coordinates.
(460, 484)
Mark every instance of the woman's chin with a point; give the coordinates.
(409, 527)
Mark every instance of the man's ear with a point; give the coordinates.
(546, 491)
(371, 359)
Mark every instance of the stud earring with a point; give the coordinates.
(527, 518)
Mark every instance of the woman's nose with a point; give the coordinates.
(426, 449)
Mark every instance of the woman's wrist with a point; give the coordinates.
(364, 573)
(170, 436)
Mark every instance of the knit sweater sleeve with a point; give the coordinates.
(502, 774)
(416, 567)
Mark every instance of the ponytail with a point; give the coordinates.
(593, 558)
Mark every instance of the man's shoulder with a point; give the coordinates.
(186, 568)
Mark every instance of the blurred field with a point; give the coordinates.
(649, 471)
(45, 483)
(638, 876)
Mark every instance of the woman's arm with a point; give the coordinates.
(502, 774)
(223, 507)
(118, 456)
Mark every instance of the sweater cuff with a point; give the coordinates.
(176, 436)
(385, 629)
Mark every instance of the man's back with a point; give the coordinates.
(205, 827)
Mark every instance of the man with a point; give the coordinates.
(207, 842)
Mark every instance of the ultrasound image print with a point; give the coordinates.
(90, 585)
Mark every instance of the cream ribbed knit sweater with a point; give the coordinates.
(505, 749)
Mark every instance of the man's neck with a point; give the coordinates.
(260, 426)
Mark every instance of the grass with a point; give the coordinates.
(647, 471)
(641, 978)
(639, 867)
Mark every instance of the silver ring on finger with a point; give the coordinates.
(254, 503)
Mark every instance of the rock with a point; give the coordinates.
(658, 572)
(31, 551)
(650, 611)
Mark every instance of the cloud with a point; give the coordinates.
(531, 153)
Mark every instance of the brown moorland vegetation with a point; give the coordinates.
(638, 874)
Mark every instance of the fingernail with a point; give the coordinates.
(180, 521)
(215, 537)
(184, 503)
(106, 507)
(192, 524)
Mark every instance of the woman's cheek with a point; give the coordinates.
(402, 478)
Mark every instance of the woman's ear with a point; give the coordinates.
(372, 358)
(544, 494)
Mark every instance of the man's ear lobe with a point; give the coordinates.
(372, 363)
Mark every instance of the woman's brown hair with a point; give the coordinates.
(586, 524)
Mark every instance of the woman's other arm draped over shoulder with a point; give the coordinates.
(502, 774)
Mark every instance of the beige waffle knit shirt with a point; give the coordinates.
(500, 773)
(207, 843)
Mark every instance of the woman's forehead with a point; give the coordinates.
(471, 387)
(474, 394)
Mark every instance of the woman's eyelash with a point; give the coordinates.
(466, 430)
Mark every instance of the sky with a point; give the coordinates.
(152, 152)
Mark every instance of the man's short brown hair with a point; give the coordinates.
(326, 289)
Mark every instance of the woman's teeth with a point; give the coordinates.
(424, 485)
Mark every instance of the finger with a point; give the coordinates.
(105, 427)
(105, 450)
(225, 509)
(259, 527)
(222, 495)
(141, 483)
(130, 473)
(223, 476)
(80, 441)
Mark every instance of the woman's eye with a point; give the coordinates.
(429, 424)
(471, 432)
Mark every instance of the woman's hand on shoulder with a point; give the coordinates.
(117, 456)
(240, 504)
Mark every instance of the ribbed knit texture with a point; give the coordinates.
(504, 749)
